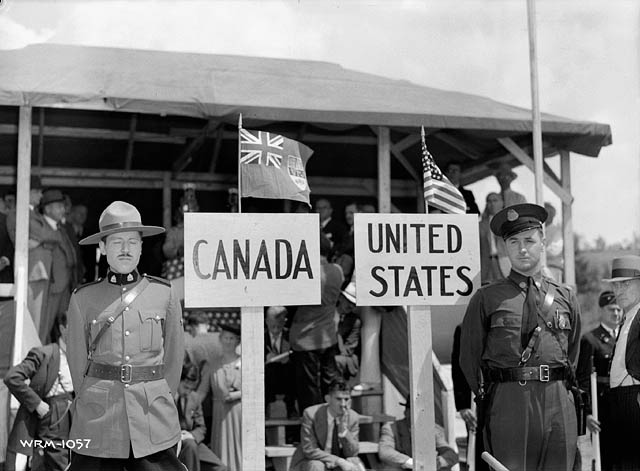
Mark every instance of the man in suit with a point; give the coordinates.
(278, 373)
(42, 385)
(453, 171)
(596, 351)
(329, 434)
(194, 454)
(394, 445)
(624, 376)
(126, 349)
(40, 256)
(332, 228)
(63, 260)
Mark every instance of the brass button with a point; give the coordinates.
(157, 318)
(127, 358)
(126, 308)
(126, 332)
(126, 385)
(94, 321)
(124, 289)
(549, 324)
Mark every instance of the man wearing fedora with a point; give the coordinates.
(624, 376)
(62, 276)
(125, 356)
(519, 344)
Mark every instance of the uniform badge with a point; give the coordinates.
(512, 215)
(113, 279)
(129, 277)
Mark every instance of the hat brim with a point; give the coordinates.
(620, 278)
(145, 231)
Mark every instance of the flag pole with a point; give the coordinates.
(426, 205)
(239, 169)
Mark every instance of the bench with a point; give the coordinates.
(278, 438)
(281, 454)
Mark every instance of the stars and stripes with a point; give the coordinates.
(262, 148)
(439, 192)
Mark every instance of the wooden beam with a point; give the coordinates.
(216, 149)
(187, 154)
(401, 158)
(132, 139)
(22, 229)
(458, 145)
(384, 170)
(406, 142)
(252, 372)
(568, 248)
(527, 161)
(95, 133)
(41, 137)
(322, 138)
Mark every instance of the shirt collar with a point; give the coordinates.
(519, 278)
(52, 222)
(611, 332)
(122, 278)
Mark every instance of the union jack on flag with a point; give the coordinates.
(439, 192)
(258, 147)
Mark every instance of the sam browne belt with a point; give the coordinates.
(543, 373)
(125, 373)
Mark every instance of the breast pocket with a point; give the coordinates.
(151, 330)
(504, 325)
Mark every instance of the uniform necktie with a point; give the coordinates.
(335, 442)
(530, 312)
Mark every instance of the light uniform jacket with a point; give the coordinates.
(313, 437)
(113, 415)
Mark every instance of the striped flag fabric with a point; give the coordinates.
(439, 192)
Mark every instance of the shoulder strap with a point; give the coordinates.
(126, 301)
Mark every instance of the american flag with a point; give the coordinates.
(439, 192)
(258, 147)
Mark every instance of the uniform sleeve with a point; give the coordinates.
(461, 391)
(173, 343)
(574, 338)
(387, 447)
(472, 338)
(17, 379)
(76, 342)
(584, 369)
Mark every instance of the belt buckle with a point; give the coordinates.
(544, 373)
(125, 373)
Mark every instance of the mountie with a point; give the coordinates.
(274, 262)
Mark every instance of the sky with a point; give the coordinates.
(588, 60)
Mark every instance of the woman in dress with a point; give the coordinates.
(222, 377)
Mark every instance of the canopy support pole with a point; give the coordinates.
(166, 200)
(567, 222)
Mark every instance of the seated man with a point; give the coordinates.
(193, 453)
(329, 434)
(349, 325)
(395, 445)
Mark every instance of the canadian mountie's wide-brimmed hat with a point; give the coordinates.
(350, 292)
(120, 217)
(624, 268)
(518, 218)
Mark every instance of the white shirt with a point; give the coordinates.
(51, 222)
(619, 376)
(277, 342)
(331, 422)
(63, 383)
(324, 223)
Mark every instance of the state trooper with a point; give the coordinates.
(519, 343)
(596, 352)
(125, 352)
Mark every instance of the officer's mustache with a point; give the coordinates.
(125, 255)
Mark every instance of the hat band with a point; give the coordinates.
(625, 273)
(120, 225)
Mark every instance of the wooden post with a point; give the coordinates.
(567, 224)
(22, 227)
(40, 137)
(253, 405)
(384, 170)
(535, 102)
(423, 444)
(166, 200)
(132, 139)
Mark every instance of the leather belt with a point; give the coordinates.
(543, 373)
(125, 373)
(59, 397)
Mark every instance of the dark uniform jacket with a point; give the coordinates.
(491, 328)
(596, 350)
(29, 382)
(113, 415)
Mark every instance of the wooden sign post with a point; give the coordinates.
(252, 261)
(417, 260)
